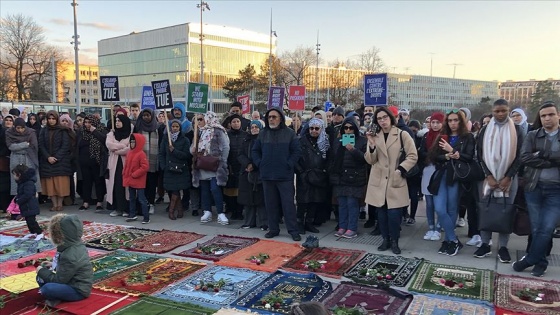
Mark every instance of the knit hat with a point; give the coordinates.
(19, 122)
(404, 111)
(439, 116)
(394, 110)
(338, 111)
(466, 111)
(258, 123)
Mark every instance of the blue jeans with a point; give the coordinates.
(209, 189)
(446, 204)
(430, 212)
(348, 213)
(544, 214)
(60, 291)
(138, 193)
(389, 222)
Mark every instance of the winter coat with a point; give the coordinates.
(26, 191)
(348, 168)
(56, 143)
(173, 181)
(236, 138)
(311, 160)
(249, 194)
(135, 171)
(536, 141)
(385, 184)
(466, 147)
(73, 266)
(23, 152)
(82, 145)
(276, 151)
(117, 149)
(219, 147)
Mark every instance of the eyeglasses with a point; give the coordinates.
(273, 117)
(318, 128)
(453, 120)
(200, 119)
(348, 128)
(382, 118)
(452, 111)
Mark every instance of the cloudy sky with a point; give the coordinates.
(491, 40)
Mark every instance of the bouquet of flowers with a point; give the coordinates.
(34, 262)
(215, 286)
(380, 273)
(530, 295)
(259, 259)
(208, 250)
(314, 264)
(452, 282)
(272, 300)
(340, 310)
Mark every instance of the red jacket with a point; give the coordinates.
(137, 166)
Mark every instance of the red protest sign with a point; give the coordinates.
(296, 99)
(245, 103)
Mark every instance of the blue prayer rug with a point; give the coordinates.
(24, 247)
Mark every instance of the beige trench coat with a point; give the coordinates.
(384, 182)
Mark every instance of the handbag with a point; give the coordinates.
(317, 177)
(206, 162)
(467, 172)
(415, 170)
(176, 168)
(495, 214)
(254, 177)
(13, 207)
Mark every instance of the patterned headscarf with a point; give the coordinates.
(94, 144)
(212, 121)
(323, 141)
(175, 135)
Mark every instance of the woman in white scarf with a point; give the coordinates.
(520, 119)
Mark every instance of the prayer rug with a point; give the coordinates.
(152, 305)
(14, 267)
(6, 240)
(218, 247)
(95, 230)
(206, 289)
(501, 311)
(531, 296)
(368, 300)
(373, 269)
(21, 303)
(119, 239)
(24, 247)
(463, 282)
(233, 311)
(22, 230)
(278, 252)
(149, 277)
(117, 261)
(20, 283)
(10, 224)
(431, 304)
(281, 289)
(99, 302)
(163, 241)
(335, 261)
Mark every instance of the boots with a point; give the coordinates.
(309, 218)
(180, 211)
(310, 227)
(385, 245)
(172, 205)
(395, 247)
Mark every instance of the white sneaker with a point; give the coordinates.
(475, 241)
(206, 217)
(39, 237)
(436, 236)
(152, 209)
(222, 219)
(461, 222)
(28, 236)
(428, 235)
(115, 213)
(125, 214)
(480, 244)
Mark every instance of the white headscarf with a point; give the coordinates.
(212, 121)
(323, 140)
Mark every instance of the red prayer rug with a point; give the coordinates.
(332, 262)
(368, 300)
(149, 277)
(22, 230)
(99, 302)
(20, 303)
(119, 239)
(163, 241)
(218, 247)
(529, 296)
(95, 230)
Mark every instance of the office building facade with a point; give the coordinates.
(519, 93)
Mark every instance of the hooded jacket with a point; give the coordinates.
(136, 168)
(73, 266)
(348, 168)
(186, 125)
(25, 198)
(276, 151)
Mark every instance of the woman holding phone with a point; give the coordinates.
(454, 143)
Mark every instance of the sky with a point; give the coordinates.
(489, 40)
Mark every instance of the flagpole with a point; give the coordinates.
(270, 53)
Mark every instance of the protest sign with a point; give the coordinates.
(375, 89)
(162, 94)
(197, 98)
(245, 103)
(148, 100)
(109, 88)
(296, 97)
(275, 97)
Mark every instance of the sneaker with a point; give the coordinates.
(454, 248)
(125, 214)
(475, 241)
(264, 227)
(131, 219)
(443, 248)
(538, 270)
(206, 217)
(52, 303)
(461, 222)
(115, 213)
(410, 221)
(311, 242)
(428, 235)
(159, 200)
(145, 221)
(271, 234)
(31, 235)
(483, 251)
(503, 255)
(245, 226)
(296, 237)
(151, 209)
(350, 234)
(521, 265)
(39, 237)
(556, 233)
(489, 243)
(436, 236)
(222, 219)
(340, 232)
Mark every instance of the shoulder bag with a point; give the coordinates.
(495, 214)
(205, 162)
(415, 170)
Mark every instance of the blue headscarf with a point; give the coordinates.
(258, 123)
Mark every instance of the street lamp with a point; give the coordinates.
(77, 64)
(317, 69)
(202, 6)
(270, 52)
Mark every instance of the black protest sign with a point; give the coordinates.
(162, 94)
(109, 88)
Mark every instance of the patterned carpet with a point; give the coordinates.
(402, 269)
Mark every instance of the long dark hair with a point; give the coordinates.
(383, 109)
(435, 150)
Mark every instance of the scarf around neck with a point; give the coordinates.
(207, 132)
(499, 151)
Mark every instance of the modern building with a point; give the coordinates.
(344, 86)
(174, 53)
(66, 83)
(519, 93)
(438, 93)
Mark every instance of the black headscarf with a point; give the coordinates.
(126, 129)
(94, 143)
(143, 126)
(36, 126)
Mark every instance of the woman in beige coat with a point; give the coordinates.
(387, 189)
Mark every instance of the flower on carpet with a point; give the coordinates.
(314, 264)
(380, 273)
(213, 286)
(272, 300)
(259, 259)
(340, 310)
(531, 295)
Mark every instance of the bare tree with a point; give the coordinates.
(294, 65)
(369, 60)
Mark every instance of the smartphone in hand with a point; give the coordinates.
(348, 139)
(445, 137)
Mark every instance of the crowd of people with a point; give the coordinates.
(355, 164)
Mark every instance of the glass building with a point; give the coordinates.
(174, 53)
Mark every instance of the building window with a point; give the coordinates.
(83, 91)
(82, 82)
(95, 73)
(83, 100)
(95, 82)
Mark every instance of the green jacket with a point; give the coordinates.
(73, 264)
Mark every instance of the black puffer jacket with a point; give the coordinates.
(236, 138)
(26, 191)
(311, 161)
(249, 194)
(348, 168)
(181, 155)
(55, 143)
